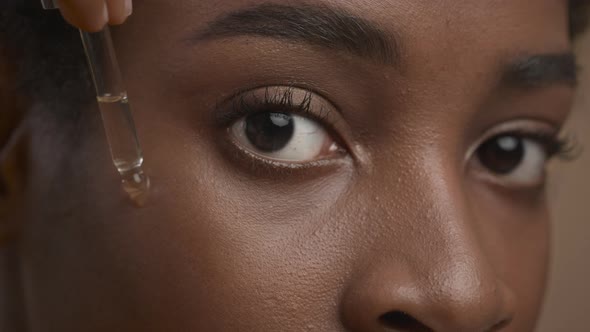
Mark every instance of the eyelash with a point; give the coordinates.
(249, 102)
(563, 148)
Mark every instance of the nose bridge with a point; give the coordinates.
(441, 277)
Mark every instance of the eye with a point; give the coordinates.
(284, 136)
(288, 126)
(515, 160)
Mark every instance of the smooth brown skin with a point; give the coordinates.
(401, 224)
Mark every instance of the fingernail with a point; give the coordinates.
(105, 12)
(128, 7)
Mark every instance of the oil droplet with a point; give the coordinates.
(137, 186)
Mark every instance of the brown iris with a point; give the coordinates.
(501, 154)
(269, 132)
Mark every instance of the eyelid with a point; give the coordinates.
(245, 101)
(525, 126)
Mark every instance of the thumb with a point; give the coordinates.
(93, 15)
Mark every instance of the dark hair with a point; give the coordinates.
(578, 16)
(48, 59)
(50, 63)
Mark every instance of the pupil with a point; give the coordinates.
(501, 154)
(269, 132)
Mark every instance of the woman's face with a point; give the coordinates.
(319, 166)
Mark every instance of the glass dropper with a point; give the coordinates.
(115, 110)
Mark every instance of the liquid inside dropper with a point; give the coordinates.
(124, 144)
(116, 114)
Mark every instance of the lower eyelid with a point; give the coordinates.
(251, 164)
(499, 181)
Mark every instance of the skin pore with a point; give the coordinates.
(398, 215)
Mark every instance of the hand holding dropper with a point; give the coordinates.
(110, 91)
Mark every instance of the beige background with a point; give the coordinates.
(567, 307)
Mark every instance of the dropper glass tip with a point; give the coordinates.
(137, 185)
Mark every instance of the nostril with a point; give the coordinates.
(401, 321)
(499, 326)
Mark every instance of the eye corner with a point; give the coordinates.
(566, 148)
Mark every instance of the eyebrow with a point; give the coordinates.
(542, 70)
(319, 25)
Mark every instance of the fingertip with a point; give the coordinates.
(87, 19)
(119, 11)
(86, 25)
(117, 19)
(128, 7)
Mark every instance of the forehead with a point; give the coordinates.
(399, 14)
(452, 27)
(426, 31)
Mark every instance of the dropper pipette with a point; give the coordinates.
(115, 109)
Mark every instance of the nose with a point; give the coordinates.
(458, 298)
(434, 275)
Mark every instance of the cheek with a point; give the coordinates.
(517, 242)
(213, 231)
(525, 260)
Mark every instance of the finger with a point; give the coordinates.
(119, 10)
(89, 15)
